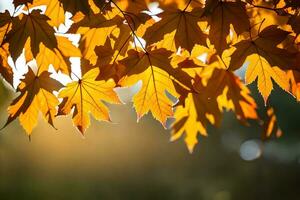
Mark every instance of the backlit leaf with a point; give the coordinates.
(85, 96)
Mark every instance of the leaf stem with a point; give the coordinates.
(187, 5)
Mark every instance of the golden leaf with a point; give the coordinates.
(86, 96)
(264, 60)
(154, 70)
(36, 96)
(59, 56)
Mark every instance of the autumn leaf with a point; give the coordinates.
(154, 70)
(59, 57)
(36, 96)
(192, 118)
(32, 28)
(105, 53)
(106, 62)
(221, 15)
(234, 94)
(264, 60)
(54, 11)
(90, 28)
(215, 90)
(187, 122)
(86, 96)
(177, 27)
(183, 56)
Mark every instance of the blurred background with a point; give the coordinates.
(129, 160)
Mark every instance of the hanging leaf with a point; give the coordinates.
(86, 96)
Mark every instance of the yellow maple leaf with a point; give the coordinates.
(94, 30)
(264, 59)
(262, 18)
(86, 96)
(187, 121)
(59, 56)
(36, 96)
(154, 70)
(54, 11)
(222, 90)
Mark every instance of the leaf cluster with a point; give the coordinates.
(190, 50)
